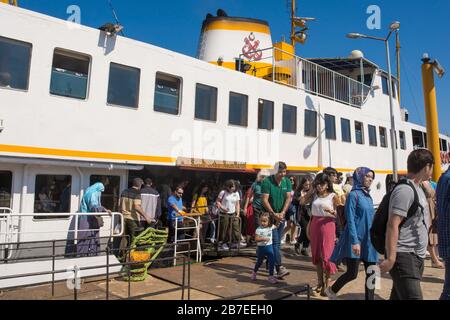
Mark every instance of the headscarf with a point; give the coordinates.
(358, 179)
(91, 198)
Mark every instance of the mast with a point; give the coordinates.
(293, 22)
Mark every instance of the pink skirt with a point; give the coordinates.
(323, 240)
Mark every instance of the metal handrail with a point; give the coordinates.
(75, 229)
(77, 269)
(305, 76)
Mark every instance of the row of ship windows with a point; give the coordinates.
(70, 78)
(53, 192)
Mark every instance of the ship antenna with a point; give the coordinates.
(115, 16)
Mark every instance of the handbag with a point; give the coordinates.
(215, 211)
(99, 219)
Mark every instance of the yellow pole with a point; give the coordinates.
(11, 2)
(429, 92)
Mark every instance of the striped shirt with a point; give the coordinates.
(129, 200)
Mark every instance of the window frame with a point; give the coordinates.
(403, 145)
(295, 108)
(64, 215)
(88, 83)
(362, 133)
(180, 97)
(307, 111)
(229, 109)
(109, 176)
(138, 87)
(29, 64)
(374, 131)
(11, 187)
(349, 130)
(334, 138)
(195, 102)
(386, 141)
(261, 116)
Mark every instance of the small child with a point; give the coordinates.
(263, 237)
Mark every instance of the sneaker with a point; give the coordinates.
(305, 252)
(243, 244)
(282, 272)
(225, 247)
(253, 276)
(330, 294)
(273, 280)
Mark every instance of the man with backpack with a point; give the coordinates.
(407, 229)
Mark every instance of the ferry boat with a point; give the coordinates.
(79, 104)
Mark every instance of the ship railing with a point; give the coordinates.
(75, 274)
(288, 69)
(25, 226)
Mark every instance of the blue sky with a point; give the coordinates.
(176, 24)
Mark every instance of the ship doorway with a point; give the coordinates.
(193, 179)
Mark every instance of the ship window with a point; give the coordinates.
(402, 140)
(110, 197)
(289, 119)
(167, 94)
(52, 195)
(418, 140)
(15, 59)
(346, 130)
(367, 79)
(383, 137)
(70, 73)
(384, 82)
(330, 127)
(238, 112)
(5, 190)
(310, 123)
(443, 144)
(265, 114)
(373, 136)
(206, 102)
(359, 132)
(123, 87)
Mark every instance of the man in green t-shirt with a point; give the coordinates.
(276, 198)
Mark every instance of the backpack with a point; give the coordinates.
(380, 220)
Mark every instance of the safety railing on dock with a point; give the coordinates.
(287, 69)
(77, 271)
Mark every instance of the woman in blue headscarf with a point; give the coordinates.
(355, 245)
(88, 240)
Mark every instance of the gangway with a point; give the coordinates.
(31, 255)
(195, 238)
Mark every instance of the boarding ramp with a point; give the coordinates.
(42, 254)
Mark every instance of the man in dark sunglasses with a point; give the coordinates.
(176, 208)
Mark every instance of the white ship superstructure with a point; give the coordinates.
(77, 104)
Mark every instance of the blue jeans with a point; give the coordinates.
(276, 243)
(446, 293)
(265, 251)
